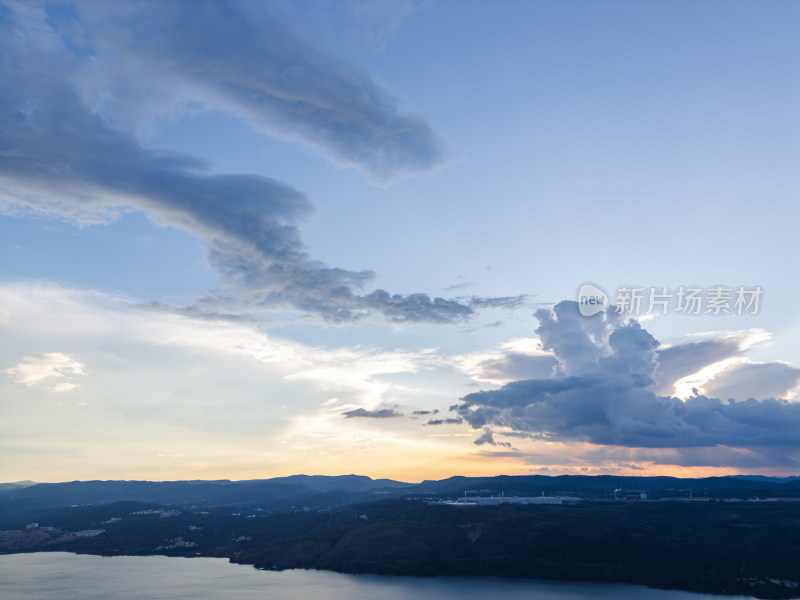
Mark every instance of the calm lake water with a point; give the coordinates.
(59, 575)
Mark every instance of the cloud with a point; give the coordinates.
(464, 283)
(427, 412)
(488, 438)
(685, 359)
(577, 341)
(600, 393)
(514, 366)
(72, 152)
(240, 57)
(56, 315)
(34, 370)
(754, 380)
(378, 22)
(783, 459)
(417, 307)
(64, 387)
(383, 413)
(502, 302)
(519, 358)
(445, 422)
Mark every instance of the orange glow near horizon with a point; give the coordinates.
(466, 466)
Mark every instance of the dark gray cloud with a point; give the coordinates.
(488, 438)
(417, 307)
(600, 394)
(65, 148)
(520, 434)
(427, 412)
(445, 422)
(383, 413)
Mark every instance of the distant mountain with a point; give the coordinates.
(271, 494)
(316, 492)
(765, 478)
(349, 483)
(16, 485)
(599, 486)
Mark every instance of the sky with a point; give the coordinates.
(408, 239)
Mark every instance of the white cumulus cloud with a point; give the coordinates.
(35, 369)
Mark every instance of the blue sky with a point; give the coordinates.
(254, 239)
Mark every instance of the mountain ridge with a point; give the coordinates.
(325, 491)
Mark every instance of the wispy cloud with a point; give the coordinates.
(48, 311)
(502, 302)
(363, 413)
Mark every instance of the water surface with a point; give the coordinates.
(59, 575)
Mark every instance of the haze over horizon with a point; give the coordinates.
(250, 240)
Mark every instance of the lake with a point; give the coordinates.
(59, 575)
